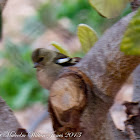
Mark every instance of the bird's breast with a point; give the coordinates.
(44, 78)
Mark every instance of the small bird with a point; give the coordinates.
(49, 64)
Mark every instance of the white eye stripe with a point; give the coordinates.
(63, 60)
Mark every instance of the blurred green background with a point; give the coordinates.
(18, 84)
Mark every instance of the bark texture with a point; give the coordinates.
(135, 121)
(81, 97)
(136, 95)
(105, 64)
(2, 4)
(8, 123)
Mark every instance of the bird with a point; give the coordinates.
(49, 64)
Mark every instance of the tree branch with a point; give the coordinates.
(9, 124)
(105, 64)
(136, 94)
(81, 97)
(2, 4)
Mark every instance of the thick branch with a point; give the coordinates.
(87, 89)
(8, 123)
(136, 94)
(105, 64)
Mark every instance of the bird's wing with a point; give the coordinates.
(64, 60)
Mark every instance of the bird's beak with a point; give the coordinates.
(36, 65)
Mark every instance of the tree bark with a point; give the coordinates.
(136, 95)
(9, 124)
(81, 97)
(2, 4)
(135, 121)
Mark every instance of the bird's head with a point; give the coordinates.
(41, 56)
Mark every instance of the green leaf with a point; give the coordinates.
(130, 44)
(60, 48)
(87, 36)
(109, 8)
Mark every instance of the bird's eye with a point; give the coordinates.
(41, 59)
